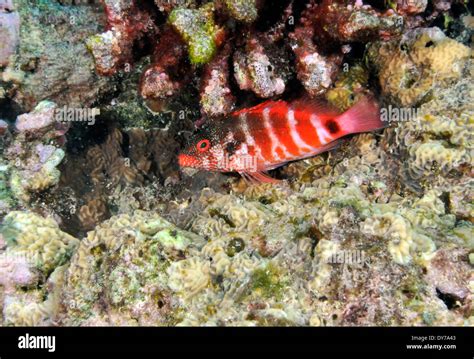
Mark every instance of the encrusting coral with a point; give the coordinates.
(35, 152)
(143, 240)
(44, 56)
(438, 140)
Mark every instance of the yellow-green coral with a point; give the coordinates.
(108, 260)
(38, 238)
(198, 29)
(425, 58)
(23, 183)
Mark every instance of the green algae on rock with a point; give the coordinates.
(198, 29)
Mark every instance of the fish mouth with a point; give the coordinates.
(195, 162)
(187, 161)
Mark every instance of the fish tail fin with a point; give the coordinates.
(364, 116)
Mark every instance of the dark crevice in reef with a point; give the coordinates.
(81, 136)
(380, 5)
(448, 299)
(270, 14)
(9, 110)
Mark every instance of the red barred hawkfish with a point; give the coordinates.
(257, 139)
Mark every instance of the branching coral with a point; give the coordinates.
(259, 70)
(243, 10)
(438, 141)
(216, 95)
(158, 80)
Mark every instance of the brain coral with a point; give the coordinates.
(31, 268)
(410, 69)
(127, 260)
(39, 239)
(438, 141)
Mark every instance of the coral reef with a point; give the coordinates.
(216, 96)
(240, 278)
(410, 69)
(438, 141)
(336, 21)
(9, 32)
(143, 241)
(100, 227)
(51, 61)
(156, 81)
(38, 239)
(261, 59)
(30, 268)
(35, 152)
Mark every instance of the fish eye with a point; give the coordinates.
(203, 145)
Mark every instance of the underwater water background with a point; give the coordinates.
(105, 223)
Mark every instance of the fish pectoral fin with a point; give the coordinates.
(258, 177)
(330, 146)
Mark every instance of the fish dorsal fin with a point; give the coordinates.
(258, 177)
(258, 108)
(320, 107)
